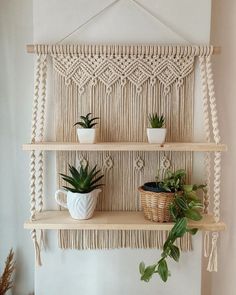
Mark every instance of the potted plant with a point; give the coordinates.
(184, 205)
(81, 196)
(157, 196)
(157, 132)
(87, 134)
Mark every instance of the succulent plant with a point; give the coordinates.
(82, 180)
(156, 121)
(87, 121)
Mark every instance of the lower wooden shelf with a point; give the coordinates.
(115, 220)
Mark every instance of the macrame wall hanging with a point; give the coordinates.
(122, 85)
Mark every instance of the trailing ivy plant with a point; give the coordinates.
(186, 205)
(87, 121)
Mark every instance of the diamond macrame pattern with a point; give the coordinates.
(84, 69)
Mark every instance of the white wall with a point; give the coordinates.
(223, 33)
(89, 272)
(16, 88)
(116, 271)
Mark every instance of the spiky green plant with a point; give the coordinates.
(82, 180)
(87, 121)
(156, 121)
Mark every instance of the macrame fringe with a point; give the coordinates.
(213, 261)
(114, 239)
(206, 244)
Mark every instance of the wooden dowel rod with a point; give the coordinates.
(30, 48)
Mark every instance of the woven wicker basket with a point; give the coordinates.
(156, 205)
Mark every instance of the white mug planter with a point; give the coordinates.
(80, 206)
(87, 135)
(156, 135)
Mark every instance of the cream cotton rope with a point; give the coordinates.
(33, 159)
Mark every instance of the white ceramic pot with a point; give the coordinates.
(156, 135)
(87, 135)
(80, 206)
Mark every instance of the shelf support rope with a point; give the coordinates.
(207, 155)
(137, 4)
(89, 20)
(160, 21)
(41, 138)
(212, 263)
(33, 199)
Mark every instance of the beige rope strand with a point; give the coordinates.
(33, 159)
(41, 137)
(212, 264)
(211, 89)
(207, 156)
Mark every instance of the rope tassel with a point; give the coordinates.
(36, 248)
(213, 261)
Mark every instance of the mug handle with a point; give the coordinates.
(58, 199)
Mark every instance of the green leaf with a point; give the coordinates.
(163, 270)
(148, 273)
(97, 179)
(92, 125)
(82, 124)
(74, 172)
(195, 204)
(192, 196)
(174, 252)
(192, 231)
(72, 182)
(95, 118)
(193, 214)
(141, 268)
(181, 203)
(179, 228)
(70, 189)
(173, 211)
(187, 188)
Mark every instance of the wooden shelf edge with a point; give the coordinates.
(125, 146)
(115, 220)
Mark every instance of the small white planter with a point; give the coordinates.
(87, 135)
(156, 135)
(80, 206)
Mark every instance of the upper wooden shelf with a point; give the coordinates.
(115, 220)
(125, 146)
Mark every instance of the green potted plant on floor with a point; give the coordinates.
(184, 205)
(82, 194)
(87, 133)
(157, 132)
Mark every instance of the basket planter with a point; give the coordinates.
(156, 205)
